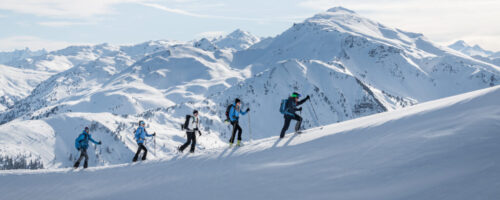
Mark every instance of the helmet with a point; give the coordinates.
(237, 100)
(295, 95)
(142, 122)
(86, 129)
(195, 112)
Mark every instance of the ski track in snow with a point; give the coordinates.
(443, 149)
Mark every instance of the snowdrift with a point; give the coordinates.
(443, 149)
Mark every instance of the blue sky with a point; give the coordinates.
(54, 24)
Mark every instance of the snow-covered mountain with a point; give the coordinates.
(467, 49)
(477, 52)
(237, 40)
(17, 84)
(6, 57)
(351, 66)
(444, 149)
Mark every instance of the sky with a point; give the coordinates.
(55, 24)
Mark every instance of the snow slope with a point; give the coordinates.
(17, 84)
(443, 149)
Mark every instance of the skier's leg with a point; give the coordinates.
(285, 126)
(233, 133)
(138, 152)
(85, 164)
(77, 163)
(239, 131)
(186, 143)
(299, 122)
(193, 144)
(145, 152)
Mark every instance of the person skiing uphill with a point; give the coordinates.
(82, 144)
(192, 126)
(140, 137)
(234, 115)
(290, 107)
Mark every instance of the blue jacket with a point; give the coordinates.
(82, 141)
(140, 135)
(234, 114)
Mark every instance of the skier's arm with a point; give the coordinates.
(301, 102)
(146, 133)
(243, 112)
(92, 140)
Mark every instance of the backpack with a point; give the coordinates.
(283, 108)
(186, 123)
(228, 109)
(77, 141)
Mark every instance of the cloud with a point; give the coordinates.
(62, 23)
(210, 34)
(197, 15)
(62, 8)
(32, 42)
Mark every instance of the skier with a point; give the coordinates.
(289, 112)
(192, 125)
(82, 143)
(140, 136)
(234, 115)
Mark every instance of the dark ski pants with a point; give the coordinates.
(191, 139)
(289, 118)
(139, 149)
(236, 127)
(82, 155)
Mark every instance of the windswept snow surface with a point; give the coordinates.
(443, 149)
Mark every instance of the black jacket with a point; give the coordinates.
(291, 106)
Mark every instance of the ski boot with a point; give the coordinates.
(85, 165)
(238, 144)
(76, 165)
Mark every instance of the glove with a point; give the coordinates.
(78, 149)
(248, 109)
(299, 109)
(308, 97)
(199, 133)
(154, 134)
(100, 142)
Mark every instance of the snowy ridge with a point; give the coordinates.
(440, 149)
(476, 52)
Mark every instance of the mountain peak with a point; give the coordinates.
(238, 32)
(340, 9)
(238, 40)
(467, 49)
(459, 44)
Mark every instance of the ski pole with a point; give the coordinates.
(314, 111)
(154, 143)
(249, 127)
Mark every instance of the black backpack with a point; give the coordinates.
(228, 109)
(186, 123)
